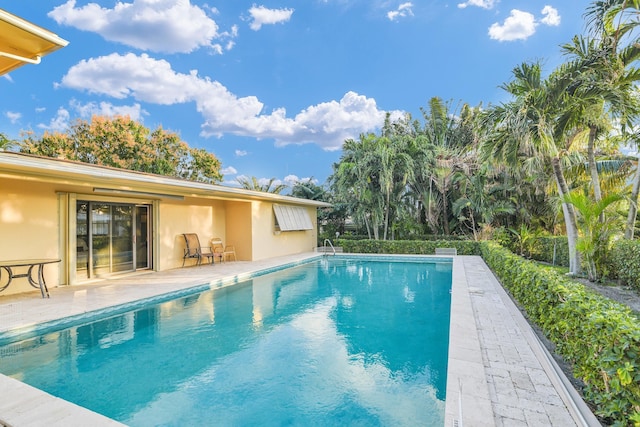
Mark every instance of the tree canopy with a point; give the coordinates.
(124, 143)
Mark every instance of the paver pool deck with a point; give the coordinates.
(499, 374)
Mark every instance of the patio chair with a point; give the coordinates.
(194, 250)
(221, 251)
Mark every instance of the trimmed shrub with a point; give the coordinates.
(551, 249)
(624, 262)
(421, 247)
(599, 337)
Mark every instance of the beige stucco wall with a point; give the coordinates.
(268, 243)
(28, 229)
(239, 229)
(37, 220)
(174, 220)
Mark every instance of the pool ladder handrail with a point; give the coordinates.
(325, 247)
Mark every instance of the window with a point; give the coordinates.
(292, 218)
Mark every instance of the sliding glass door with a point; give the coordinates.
(111, 238)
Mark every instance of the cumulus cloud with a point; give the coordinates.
(154, 81)
(404, 10)
(485, 4)
(263, 16)
(135, 111)
(551, 16)
(518, 26)
(522, 25)
(13, 116)
(158, 25)
(241, 153)
(59, 123)
(229, 171)
(291, 180)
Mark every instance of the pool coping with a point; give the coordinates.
(471, 393)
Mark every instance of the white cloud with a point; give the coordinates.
(551, 16)
(522, 25)
(135, 111)
(263, 16)
(13, 116)
(485, 4)
(229, 171)
(59, 123)
(156, 25)
(40, 109)
(265, 181)
(240, 153)
(291, 180)
(518, 26)
(150, 80)
(404, 10)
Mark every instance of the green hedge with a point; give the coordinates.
(599, 337)
(542, 249)
(422, 247)
(624, 262)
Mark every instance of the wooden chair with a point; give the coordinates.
(194, 250)
(221, 251)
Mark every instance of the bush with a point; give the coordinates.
(598, 336)
(422, 247)
(624, 262)
(551, 249)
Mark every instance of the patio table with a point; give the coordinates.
(31, 264)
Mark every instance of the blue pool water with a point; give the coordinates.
(336, 341)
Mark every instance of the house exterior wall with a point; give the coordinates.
(28, 228)
(239, 229)
(174, 220)
(270, 243)
(38, 199)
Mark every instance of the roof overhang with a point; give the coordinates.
(123, 183)
(22, 42)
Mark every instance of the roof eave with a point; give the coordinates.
(19, 165)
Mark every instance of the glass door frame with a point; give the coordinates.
(140, 232)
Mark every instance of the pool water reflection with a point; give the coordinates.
(338, 341)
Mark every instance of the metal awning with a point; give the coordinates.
(22, 42)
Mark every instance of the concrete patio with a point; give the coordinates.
(498, 374)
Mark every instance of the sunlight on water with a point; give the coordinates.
(332, 342)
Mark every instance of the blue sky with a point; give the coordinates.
(273, 88)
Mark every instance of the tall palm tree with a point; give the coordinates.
(527, 131)
(614, 22)
(354, 182)
(442, 150)
(603, 88)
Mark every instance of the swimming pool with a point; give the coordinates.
(335, 341)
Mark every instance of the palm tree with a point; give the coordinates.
(253, 183)
(527, 131)
(603, 87)
(442, 151)
(595, 234)
(307, 189)
(354, 182)
(6, 143)
(481, 200)
(613, 22)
